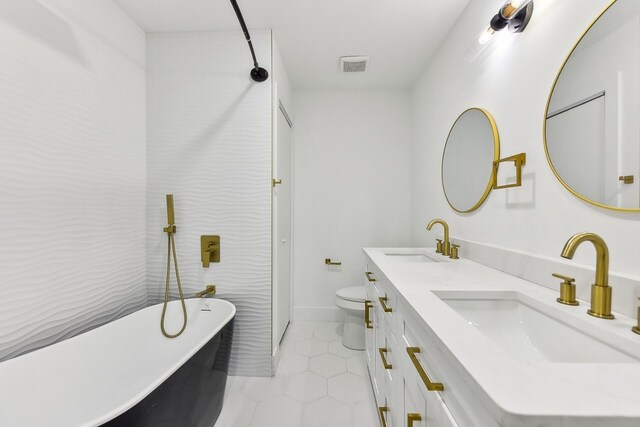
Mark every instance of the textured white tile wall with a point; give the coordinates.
(72, 169)
(209, 143)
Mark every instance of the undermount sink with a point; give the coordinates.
(413, 257)
(537, 332)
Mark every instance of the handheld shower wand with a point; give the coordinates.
(258, 73)
(170, 229)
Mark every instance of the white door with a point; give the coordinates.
(282, 223)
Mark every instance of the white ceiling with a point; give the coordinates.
(400, 36)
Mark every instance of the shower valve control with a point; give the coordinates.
(209, 250)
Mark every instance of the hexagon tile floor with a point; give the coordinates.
(318, 383)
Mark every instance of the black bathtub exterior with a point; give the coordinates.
(192, 396)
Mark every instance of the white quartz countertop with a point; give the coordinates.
(518, 392)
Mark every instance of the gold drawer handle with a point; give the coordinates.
(369, 278)
(383, 410)
(431, 386)
(328, 261)
(367, 316)
(386, 364)
(383, 303)
(413, 417)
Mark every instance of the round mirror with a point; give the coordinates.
(467, 162)
(592, 132)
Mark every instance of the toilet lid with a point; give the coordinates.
(353, 293)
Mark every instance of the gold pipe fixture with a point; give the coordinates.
(446, 245)
(600, 290)
(567, 290)
(518, 160)
(210, 290)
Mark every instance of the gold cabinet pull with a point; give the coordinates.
(386, 364)
(329, 262)
(275, 182)
(431, 386)
(383, 303)
(383, 410)
(413, 417)
(626, 179)
(636, 329)
(369, 278)
(367, 316)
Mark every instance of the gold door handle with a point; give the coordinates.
(413, 417)
(386, 364)
(383, 410)
(431, 386)
(369, 278)
(626, 179)
(329, 262)
(367, 315)
(275, 182)
(383, 303)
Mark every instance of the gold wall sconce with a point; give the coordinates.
(209, 250)
(518, 160)
(513, 15)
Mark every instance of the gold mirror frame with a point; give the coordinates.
(546, 113)
(496, 157)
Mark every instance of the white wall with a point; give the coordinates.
(72, 199)
(209, 143)
(511, 79)
(351, 188)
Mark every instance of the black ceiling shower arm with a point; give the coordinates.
(258, 73)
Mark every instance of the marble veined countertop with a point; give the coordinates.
(520, 392)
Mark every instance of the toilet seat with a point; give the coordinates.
(352, 293)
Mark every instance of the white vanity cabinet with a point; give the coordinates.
(401, 393)
(383, 350)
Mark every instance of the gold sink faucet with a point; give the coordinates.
(600, 290)
(446, 245)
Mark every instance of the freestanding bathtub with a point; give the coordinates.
(126, 373)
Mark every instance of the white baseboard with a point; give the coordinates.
(318, 314)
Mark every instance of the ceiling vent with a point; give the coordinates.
(353, 64)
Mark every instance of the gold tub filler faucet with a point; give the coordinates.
(600, 290)
(210, 290)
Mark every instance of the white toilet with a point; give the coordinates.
(351, 301)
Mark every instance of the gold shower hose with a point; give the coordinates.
(171, 246)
